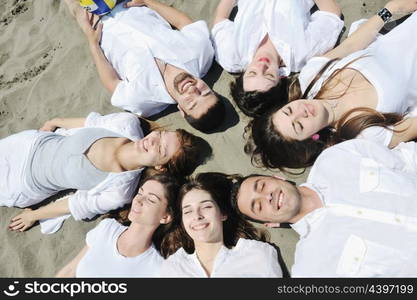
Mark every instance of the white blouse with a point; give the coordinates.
(296, 35)
(103, 259)
(249, 258)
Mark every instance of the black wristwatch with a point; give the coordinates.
(385, 15)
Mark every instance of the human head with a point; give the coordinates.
(178, 152)
(215, 216)
(266, 199)
(256, 103)
(261, 75)
(197, 103)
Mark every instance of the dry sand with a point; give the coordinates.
(46, 71)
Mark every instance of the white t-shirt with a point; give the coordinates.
(133, 38)
(296, 35)
(104, 260)
(368, 225)
(249, 258)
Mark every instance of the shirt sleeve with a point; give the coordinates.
(131, 96)
(379, 135)
(322, 32)
(126, 124)
(114, 192)
(95, 233)
(225, 48)
(198, 35)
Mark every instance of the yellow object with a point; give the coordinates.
(98, 7)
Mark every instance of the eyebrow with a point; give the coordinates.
(152, 194)
(192, 107)
(203, 201)
(255, 186)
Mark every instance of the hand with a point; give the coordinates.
(23, 221)
(133, 3)
(49, 126)
(401, 6)
(91, 26)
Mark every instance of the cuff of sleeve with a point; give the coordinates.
(76, 210)
(220, 26)
(320, 14)
(91, 118)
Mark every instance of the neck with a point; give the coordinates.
(206, 254)
(335, 110)
(168, 76)
(310, 201)
(135, 240)
(126, 156)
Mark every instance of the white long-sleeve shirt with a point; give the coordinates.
(113, 192)
(133, 38)
(368, 225)
(296, 35)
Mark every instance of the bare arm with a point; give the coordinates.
(28, 217)
(367, 33)
(71, 267)
(223, 10)
(404, 131)
(329, 6)
(175, 17)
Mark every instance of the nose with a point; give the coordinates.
(301, 112)
(198, 215)
(139, 199)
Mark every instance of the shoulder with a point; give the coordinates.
(310, 70)
(253, 246)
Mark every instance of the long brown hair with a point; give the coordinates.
(219, 186)
(269, 148)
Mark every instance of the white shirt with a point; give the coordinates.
(368, 225)
(296, 35)
(249, 258)
(103, 259)
(113, 192)
(133, 38)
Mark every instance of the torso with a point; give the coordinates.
(103, 151)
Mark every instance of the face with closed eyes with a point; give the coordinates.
(149, 207)
(261, 75)
(201, 217)
(268, 199)
(157, 148)
(300, 119)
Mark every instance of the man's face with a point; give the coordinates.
(269, 199)
(193, 95)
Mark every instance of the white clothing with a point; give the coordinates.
(296, 35)
(249, 258)
(113, 192)
(384, 65)
(103, 259)
(368, 225)
(133, 38)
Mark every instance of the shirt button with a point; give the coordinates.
(356, 259)
(372, 173)
(398, 220)
(359, 212)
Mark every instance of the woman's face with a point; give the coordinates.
(261, 74)
(157, 148)
(149, 207)
(300, 119)
(201, 217)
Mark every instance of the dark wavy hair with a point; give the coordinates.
(211, 120)
(193, 151)
(171, 187)
(254, 103)
(219, 186)
(269, 148)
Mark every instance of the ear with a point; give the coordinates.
(224, 218)
(166, 219)
(272, 225)
(181, 111)
(160, 168)
(279, 177)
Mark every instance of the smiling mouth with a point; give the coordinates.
(199, 227)
(183, 81)
(277, 200)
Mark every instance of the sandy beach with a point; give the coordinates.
(46, 71)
